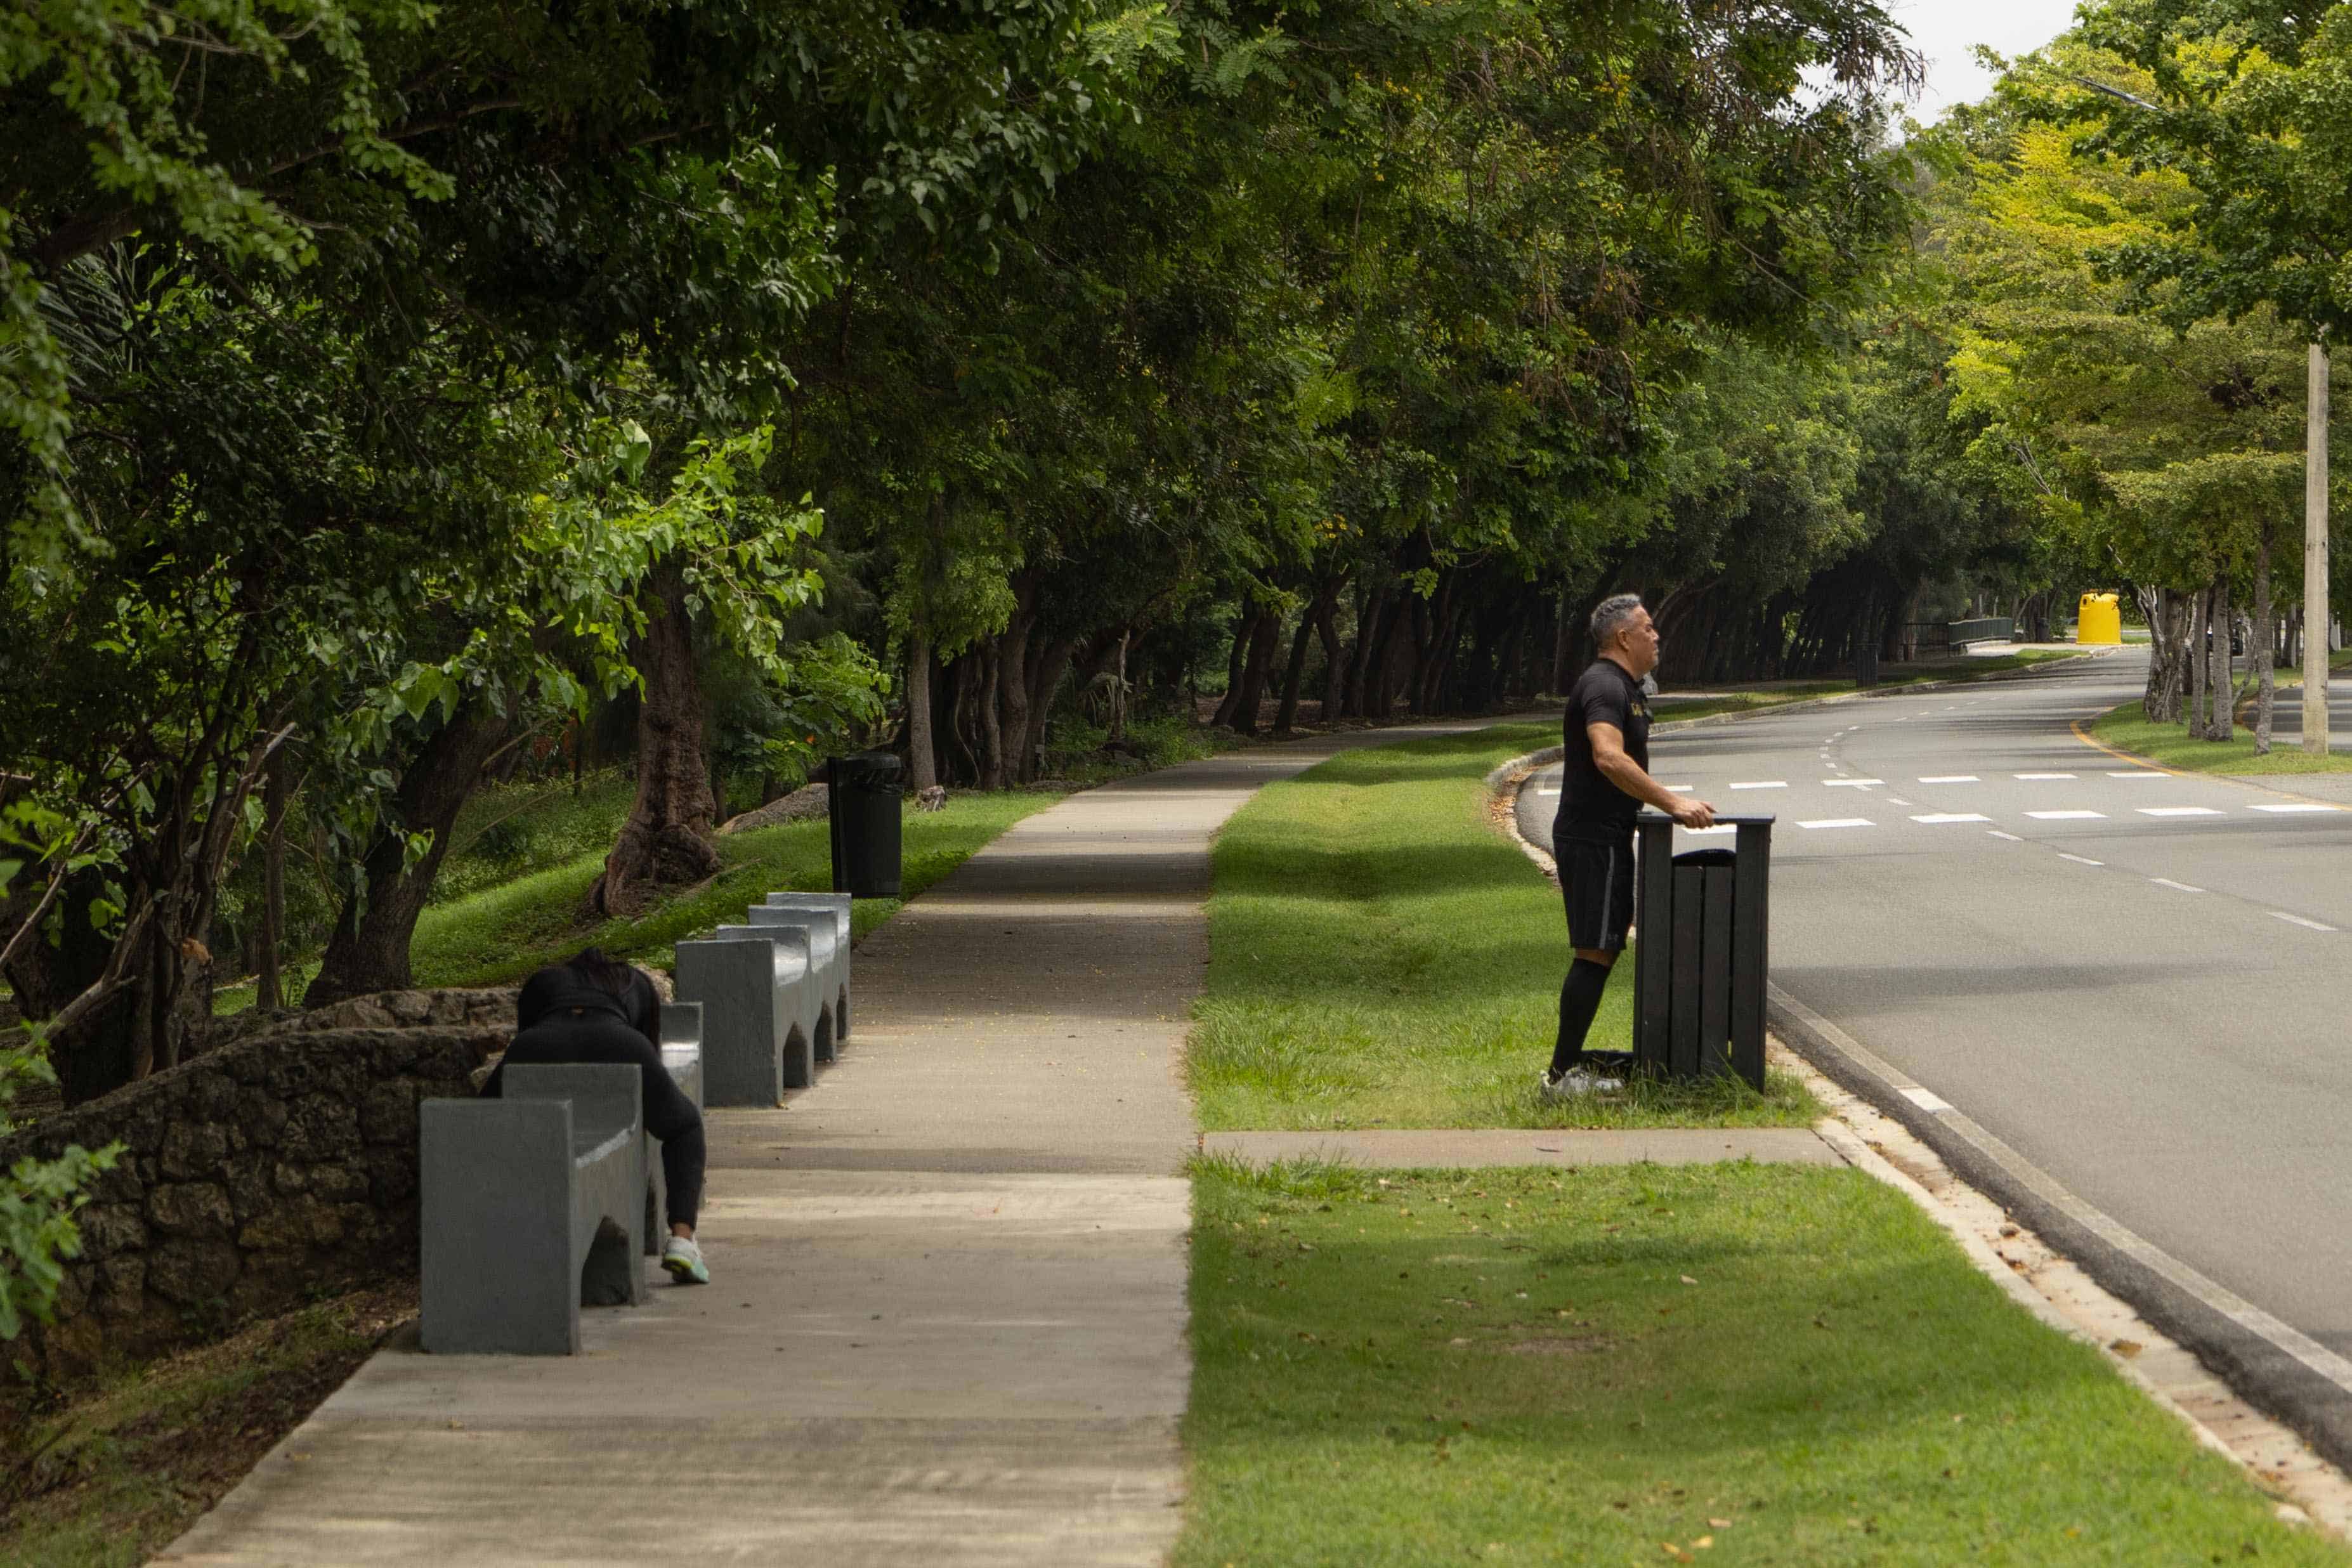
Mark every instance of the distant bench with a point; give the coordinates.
(543, 1200)
(775, 993)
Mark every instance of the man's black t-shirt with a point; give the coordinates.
(1591, 807)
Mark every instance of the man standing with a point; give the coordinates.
(1606, 760)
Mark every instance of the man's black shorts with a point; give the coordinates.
(1597, 879)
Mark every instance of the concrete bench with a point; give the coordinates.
(829, 960)
(837, 905)
(681, 1055)
(759, 1012)
(530, 1205)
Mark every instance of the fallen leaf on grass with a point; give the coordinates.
(1688, 1280)
(1720, 1523)
(1677, 1553)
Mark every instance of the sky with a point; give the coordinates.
(1947, 31)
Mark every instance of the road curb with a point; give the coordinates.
(2276, 1368)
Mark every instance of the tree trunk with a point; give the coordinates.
(2262, 649)
(1046, 678)
(1266, 634)
(2198, 669)
(367, 950)
(1334, 664)
(1372, 614)
(667, 840)
(922, 761)
(1012, 697)
(1236, 659)
(268, 991)
(1294, 674)
(2222, 683)
(992, 731)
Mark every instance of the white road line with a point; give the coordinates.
(1547, 789)
(1852, 784)
(2177, 811)
(1678, 787)
(1953, 816)
(1763, 783)
(2175, 886)
(1896, 800)
(2063, 816)
(2298, 920)
(2298, 807)
(2012, 837)
(1839, 822)
(2138, 773)
(1695, 832)
(2080, 859)
(2042, 776)
(1951, 778)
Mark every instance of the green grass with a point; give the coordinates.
(2128, 729)
(1381, 956)
(1729, 1364)
(505, 831)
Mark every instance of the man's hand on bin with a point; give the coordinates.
(1691, 812)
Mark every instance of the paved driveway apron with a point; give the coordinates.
(2137, 980)
(948, 1327)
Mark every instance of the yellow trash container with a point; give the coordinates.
(2099, 619)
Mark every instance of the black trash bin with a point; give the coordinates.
(861, 798)
(1705, 925)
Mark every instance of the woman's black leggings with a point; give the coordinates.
(597, 1036)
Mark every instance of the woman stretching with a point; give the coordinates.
(598, 1009)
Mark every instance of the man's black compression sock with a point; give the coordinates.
(1580, 999)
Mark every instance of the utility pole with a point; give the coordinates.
(2315, 616)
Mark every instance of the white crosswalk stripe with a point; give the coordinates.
(2063, 816)
(1839, 822)
(2177, 811)
(2298, 807)
(1953, 816)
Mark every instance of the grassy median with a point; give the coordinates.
(2129, 729)
(1723, 1364)
(1381, 955)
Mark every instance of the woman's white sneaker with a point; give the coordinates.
(683, 1258)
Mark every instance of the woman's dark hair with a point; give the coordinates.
(624, 981)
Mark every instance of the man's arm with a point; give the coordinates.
(1609, 756)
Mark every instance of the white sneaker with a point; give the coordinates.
(1575, 1081)
(683, 1258)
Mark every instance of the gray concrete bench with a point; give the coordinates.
(760, 1010)
(828, 962)
(530, 1205)
(837, 905)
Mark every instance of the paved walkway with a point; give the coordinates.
(948, 1327)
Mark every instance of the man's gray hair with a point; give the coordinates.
(1609, 616)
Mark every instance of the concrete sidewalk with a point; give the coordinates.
(948, 1321)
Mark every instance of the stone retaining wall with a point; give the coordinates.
(256, 1175)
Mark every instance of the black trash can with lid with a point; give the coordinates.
(1704, 920)
(862, 799)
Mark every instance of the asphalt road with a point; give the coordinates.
(2136, 980)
